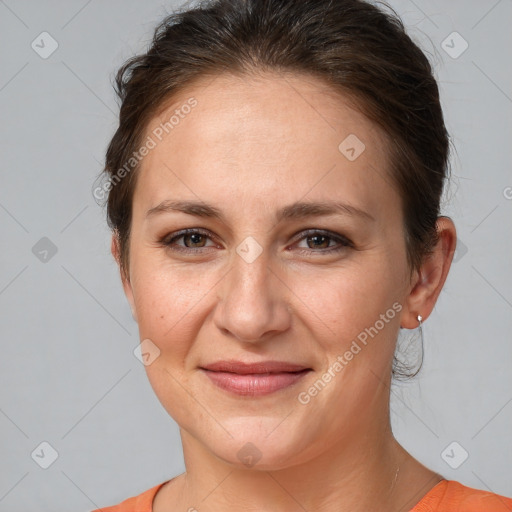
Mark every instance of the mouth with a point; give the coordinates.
(254, 379)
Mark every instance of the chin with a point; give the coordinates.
(251, 456)
(256, 447)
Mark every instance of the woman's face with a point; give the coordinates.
(263, 278)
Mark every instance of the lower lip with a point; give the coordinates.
(254, 384)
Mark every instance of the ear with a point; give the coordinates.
(429, 280)
(127, 287)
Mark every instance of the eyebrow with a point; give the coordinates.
(297, 210)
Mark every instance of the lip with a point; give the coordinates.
(254, 379)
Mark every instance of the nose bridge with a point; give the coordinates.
(251, 269)
(252, 302)
(251, 257)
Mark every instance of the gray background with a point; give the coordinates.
(68, 373)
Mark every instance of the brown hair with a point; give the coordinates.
(353, 46)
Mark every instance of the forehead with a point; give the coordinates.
(265, 137)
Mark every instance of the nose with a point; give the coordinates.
(253, 300)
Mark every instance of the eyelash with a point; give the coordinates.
(343, 241)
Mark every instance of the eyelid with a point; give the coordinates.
(166, 240)
(324, 232)
(343, 241)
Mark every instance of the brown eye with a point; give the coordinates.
(195, 240)
(324, 242)
(319, 242)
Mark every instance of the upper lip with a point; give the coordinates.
(261, 367)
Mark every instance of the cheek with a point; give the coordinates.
(168, 305)
(344, 301)
(165, 299)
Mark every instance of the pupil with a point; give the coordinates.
(196, 238)
(317, 238)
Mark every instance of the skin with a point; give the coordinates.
(250, 147)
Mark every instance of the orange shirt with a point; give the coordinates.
(446, 496)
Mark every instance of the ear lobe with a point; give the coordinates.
(430, 278)
(127, 287)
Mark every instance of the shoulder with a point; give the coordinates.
(140, 503)
(452, 496)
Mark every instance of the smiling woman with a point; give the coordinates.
(273, 243)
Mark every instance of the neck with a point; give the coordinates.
(370, 472)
